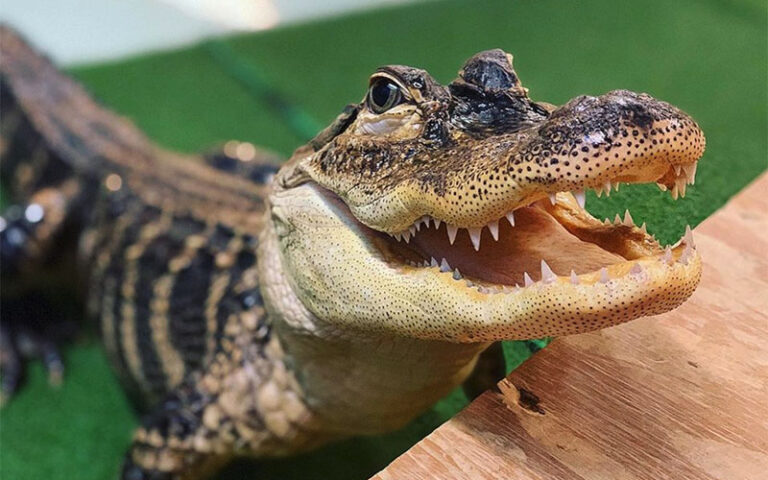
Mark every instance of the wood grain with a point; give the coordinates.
(679, 396)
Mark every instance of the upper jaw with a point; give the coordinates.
(589, 143)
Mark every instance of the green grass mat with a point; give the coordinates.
(708, 57)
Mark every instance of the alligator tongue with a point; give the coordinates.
(535, 236)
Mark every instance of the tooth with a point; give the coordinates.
(662, 187)
(451, 229)
(517, 288)
(511, 218)
(680, 183)
(493, 227)
(607, 221)
(687, 253)
(690, 172)
(581, 198)
(527, 278)
(628, 219)
(617, 220)
(437, 223)
(456, 274)
(677, 170)
(433, 262)
(636, 269)
(398, 237)
(574, 278)
(474, 235)
(607, 188)
(667, 255)
(547, 275)
(644, 228)
(407, 236)
(604, 275)
(616, 186)
(688, 237)
(674, 192)
(553, 198)
(444, 267)
(412, 229)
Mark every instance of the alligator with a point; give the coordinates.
(259, 308)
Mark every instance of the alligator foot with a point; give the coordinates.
(27, 334)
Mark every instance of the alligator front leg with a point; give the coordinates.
(31, 239)
(178, 438)
(245, 403)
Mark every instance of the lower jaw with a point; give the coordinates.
(541, 243)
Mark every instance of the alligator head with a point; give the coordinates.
(457, 212)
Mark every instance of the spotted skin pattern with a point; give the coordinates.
(259, 311)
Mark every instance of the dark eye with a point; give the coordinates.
(383, 95)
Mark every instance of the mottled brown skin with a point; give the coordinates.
(254, 317)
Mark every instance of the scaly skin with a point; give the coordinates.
(264, 317)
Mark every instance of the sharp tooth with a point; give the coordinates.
(667, 255)
(398, 237)
(688, 237)
(474, 235)
(690, 172)
(511, 218)
(644, 228)
(662, 187)
(407, 236)
(628, 219)
(553, 198)
(674, 192)
(581, 198)
(444, 267)
(451, 229)
(412, 230)
(493, 227)
(599, 191)
(606, 222)
(616, 186)
(527, 279)
(636, 269)
(687, 254)
(456, 274)
(604, 275)
(607, 188)
(437, 223)
(680, 183)
(547, 275)
(617, 220)
(678, 168)
(517, 288)
(574, 278)
(433, 262)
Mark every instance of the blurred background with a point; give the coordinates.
(196, 73)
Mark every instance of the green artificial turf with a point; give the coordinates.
(708, 57)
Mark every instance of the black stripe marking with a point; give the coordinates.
(152, 264)
(187, 309)
(116, 270)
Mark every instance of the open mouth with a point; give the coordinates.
(547, 240)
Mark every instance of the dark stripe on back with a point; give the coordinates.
(116, 270)
(186, 313)
(152, 264)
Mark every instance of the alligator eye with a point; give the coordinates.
(383, 95)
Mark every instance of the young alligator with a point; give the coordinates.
(259, 314)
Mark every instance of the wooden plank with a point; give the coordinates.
(681, 396)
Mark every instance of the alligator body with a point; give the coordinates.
(262, 310)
